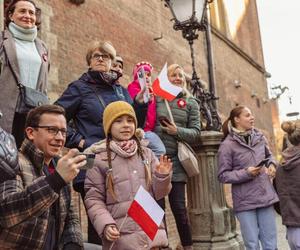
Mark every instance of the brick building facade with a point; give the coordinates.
(142, 30)
(134, 26)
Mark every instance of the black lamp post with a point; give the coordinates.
(189, 17)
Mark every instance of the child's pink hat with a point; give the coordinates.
(146, 65)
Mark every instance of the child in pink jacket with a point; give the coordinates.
(121, 166)
(134, 88)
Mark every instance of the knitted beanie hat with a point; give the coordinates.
(147, 67)
(115, 110)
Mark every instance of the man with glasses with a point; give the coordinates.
(36, 210)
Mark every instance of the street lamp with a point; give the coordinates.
(189, 17)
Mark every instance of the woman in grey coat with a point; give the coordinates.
(246, 162)
(24, 59)
(185, 111)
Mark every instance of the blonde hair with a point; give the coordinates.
(105, 46)
(292, 128)
(171, 70)
(109, 176)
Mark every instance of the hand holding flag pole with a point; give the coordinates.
(119, 231)
(145, 211)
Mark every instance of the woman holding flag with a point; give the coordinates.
(186, 126)
(116, 185)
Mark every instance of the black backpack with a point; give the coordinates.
(9, 165)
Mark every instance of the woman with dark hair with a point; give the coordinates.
(288, 184)
(246, 162)
(24, 59)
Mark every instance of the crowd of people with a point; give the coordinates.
(134, 142)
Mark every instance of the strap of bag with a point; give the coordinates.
(102, 102)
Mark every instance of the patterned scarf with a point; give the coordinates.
(124, 148)
(243, 135)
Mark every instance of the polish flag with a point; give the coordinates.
(163, 88)
(145, 211)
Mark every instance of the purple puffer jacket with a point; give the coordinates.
(234, 157)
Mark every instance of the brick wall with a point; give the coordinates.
(132, 26)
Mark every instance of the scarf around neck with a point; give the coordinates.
(105, 78)
(21, 33)
(124, 148)
(244, 135)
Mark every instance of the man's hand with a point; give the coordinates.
(68, 166)
(111, 232)
(165, 165)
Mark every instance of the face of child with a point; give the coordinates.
(148, 77)
(123, 128)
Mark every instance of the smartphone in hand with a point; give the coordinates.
(262, 163)
(89, 161)
(164, 120)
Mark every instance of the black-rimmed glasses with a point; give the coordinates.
(104, 57)
(54, 130)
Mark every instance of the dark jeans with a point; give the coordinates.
(92, 233)
(177, 203)
(18, 128)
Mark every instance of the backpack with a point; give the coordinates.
(9, 165)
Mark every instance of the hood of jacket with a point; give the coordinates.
(291, 158)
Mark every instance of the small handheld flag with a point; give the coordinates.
(145, 211)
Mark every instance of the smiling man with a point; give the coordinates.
(36, 210)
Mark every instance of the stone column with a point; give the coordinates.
(213, 224)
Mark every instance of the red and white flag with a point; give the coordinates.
(145, 211)
(163, 88)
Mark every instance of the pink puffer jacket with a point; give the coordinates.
(128, 175)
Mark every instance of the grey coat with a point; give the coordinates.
(187, 120)
(9, 76)
(234, 157)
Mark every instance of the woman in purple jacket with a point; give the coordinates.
(246, 162)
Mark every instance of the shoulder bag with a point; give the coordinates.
(29, 98)
(186, 154)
